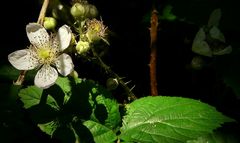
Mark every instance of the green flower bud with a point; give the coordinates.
(112, 83)
(61, 12)
(78, 10)
(82, 47)
(74, 74)
(49, 23)
(197, 63)
(91, 11)
(55, 13)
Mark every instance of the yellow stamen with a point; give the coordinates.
(44, 53)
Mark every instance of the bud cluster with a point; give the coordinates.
(83, 10)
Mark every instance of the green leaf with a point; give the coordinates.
(55, 96)
(101, 134)
(106, 109)
(224, 51)
(217, 34)
(217, 137)
(228, 68)
(42, 113)
(113, 119)
(200, 46)
(65, 134)
(64, 84)
(52, 102)
(214, 18)
(49, 127)
(30, 96)
(79, 99)
(42, 107)
(8, 72)
(169, 119)
(167, 13)
(82, 132)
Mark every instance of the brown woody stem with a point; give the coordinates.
(153, 55)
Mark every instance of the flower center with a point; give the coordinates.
(46, 55)
(97, 27)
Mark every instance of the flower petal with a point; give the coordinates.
(37, 35)
(23, 60)
(64, 64)
(55, 43)
(65, 36)
(45, 77)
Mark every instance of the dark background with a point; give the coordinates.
(128, 54)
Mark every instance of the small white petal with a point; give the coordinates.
(45, 77)
(55, 42)
(64, 35)
(64, 64)
(23, 60)
(37, 35)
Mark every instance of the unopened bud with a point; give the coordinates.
(82, 47)
(92, 12)
(197, 63)
(112, 83)
(74, 74)
(78, 10)
(49, 23)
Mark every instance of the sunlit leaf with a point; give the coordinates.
(101, 134)
(52, 102)
(167, 13)
(30, 96)
(200, 46)
(169, 119)
(49, 127)
(64, 84)
(113, 116)
(214, 18)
